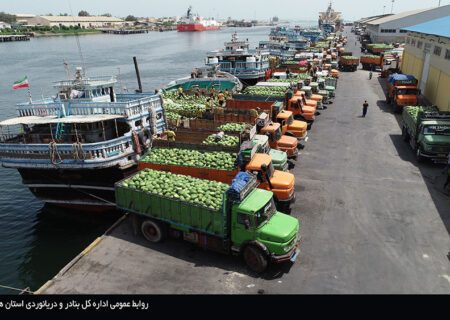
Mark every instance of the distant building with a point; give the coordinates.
(4, 25)
(389, 29)
(427, 57)
(67, 21)
(25, 19)
(275, 19)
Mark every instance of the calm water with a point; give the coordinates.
(37, 241)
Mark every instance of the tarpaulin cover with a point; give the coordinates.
(238, 183)
(396, 77)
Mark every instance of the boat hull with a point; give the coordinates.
(195, 27)
(81, 189)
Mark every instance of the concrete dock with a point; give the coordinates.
(372, 220)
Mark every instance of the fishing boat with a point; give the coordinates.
(72, 148)
(193, 22)
(205, 78)
(248, 65)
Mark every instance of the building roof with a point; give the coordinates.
(438, 27)
(367, 19)
(81, 19)
(401, 15)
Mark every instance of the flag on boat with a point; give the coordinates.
(21, 83)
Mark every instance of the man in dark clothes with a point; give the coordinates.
(365, 106)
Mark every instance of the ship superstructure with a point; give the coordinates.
(72, 148)
(330, 21)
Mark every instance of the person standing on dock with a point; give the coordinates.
(365, 106)
(370, 75)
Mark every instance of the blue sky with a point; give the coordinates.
(238, 9)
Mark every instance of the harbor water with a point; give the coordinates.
(36, 241)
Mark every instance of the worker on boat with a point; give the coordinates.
(212, 92)
(180, 93)
(227, 94)
(221, 96)
(170, 135)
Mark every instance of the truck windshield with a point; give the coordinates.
(277, 134)
(290, 119)
(270, 170)
(437, 130)
(265, 213)
(407, 91)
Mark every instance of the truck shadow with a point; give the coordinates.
(430, 172)
(193, 254)
(431, 175)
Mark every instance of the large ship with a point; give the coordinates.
(330, 21)
(248, 65)
(193, 22)
(72, 148)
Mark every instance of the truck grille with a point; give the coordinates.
(441, 149)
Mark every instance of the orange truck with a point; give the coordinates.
(289, 126)
(385, 59)
(279, 182)
(348, 63)
(402, 91)
(276, 139)
(301, 111)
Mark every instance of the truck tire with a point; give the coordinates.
(153, 231)
(255, 259)
(419, 157)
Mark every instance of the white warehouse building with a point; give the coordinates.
(389, 29)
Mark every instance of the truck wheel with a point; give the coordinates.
(153, 231)
(419, 157)
(255, 259)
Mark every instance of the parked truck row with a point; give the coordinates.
(232, 197)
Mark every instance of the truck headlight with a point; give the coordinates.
(287, 248)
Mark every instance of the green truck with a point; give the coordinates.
(279, 158)
(237, 219)
(428, 132)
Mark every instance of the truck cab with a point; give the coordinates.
(279, 182)
(309, 97)
(301, 111)
(400, 96)
(291, 127)
(279, 158)
(402, 91)
(279, 141)
(262, 234)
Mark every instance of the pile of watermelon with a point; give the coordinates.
(192, 158)
(205, 193)
(414, 110)
(232, 126)
(264, 91)
(227, 140)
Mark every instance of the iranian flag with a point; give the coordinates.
(21, 83)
